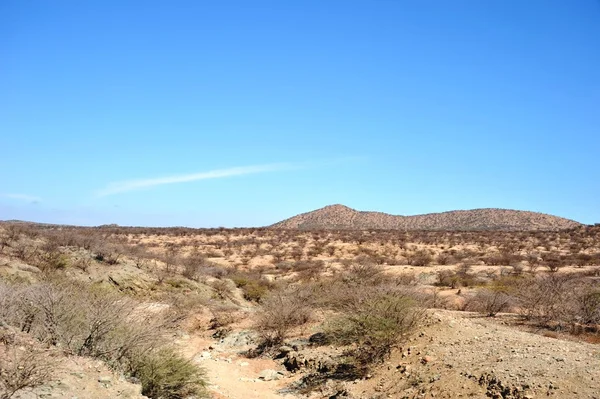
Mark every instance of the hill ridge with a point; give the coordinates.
(342, 217)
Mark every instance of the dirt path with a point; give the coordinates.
(233, 375)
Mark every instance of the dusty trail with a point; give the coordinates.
(231, 374)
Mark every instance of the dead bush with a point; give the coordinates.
(197, 265)
(222, 317)
(23, 250)
(308, 269)
(279, 313)
(588, 306)
(490, 300)
(546, 298)
(22, 369)
(364, 273)
(445, 258)
(420, 258)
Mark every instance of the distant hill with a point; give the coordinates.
(340, 217)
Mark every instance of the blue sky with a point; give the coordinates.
(239, 113)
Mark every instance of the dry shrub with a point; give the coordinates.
(420, 258)
(445, 258)
(375, 311)
(448, 278)
(502, 258)
(558, 301)
(22, 369)
(92, 322)
(139, 255)
(82, 263)
(23, 250)
(545, 298)
(284, 266)
(308, 269)
(461, 276)
(347, 289)
(406, 279)
(554, 262)
(193, 265)
(222, 316)
(88, 322)
(588, 306)
(108, 253)
(365, 273)
(183, 304)
(490, 300)
(222, 288)
(279, 313)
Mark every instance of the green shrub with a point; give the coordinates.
(253, 286)
(164, 374)
(375, 327)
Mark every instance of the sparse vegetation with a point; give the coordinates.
(374, 328)
(118, 294)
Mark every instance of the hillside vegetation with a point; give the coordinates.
(340, 217)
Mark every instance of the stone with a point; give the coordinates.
(270, 375)
(105, 380)
(284, 350)
(427, 359)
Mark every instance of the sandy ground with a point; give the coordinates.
(455, 354)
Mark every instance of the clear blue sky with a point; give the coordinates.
(242, 113)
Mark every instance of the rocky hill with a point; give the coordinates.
(342, 217)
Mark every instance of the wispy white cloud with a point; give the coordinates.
(131, 185)
(22, 197)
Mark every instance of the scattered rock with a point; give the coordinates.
(270, 375)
